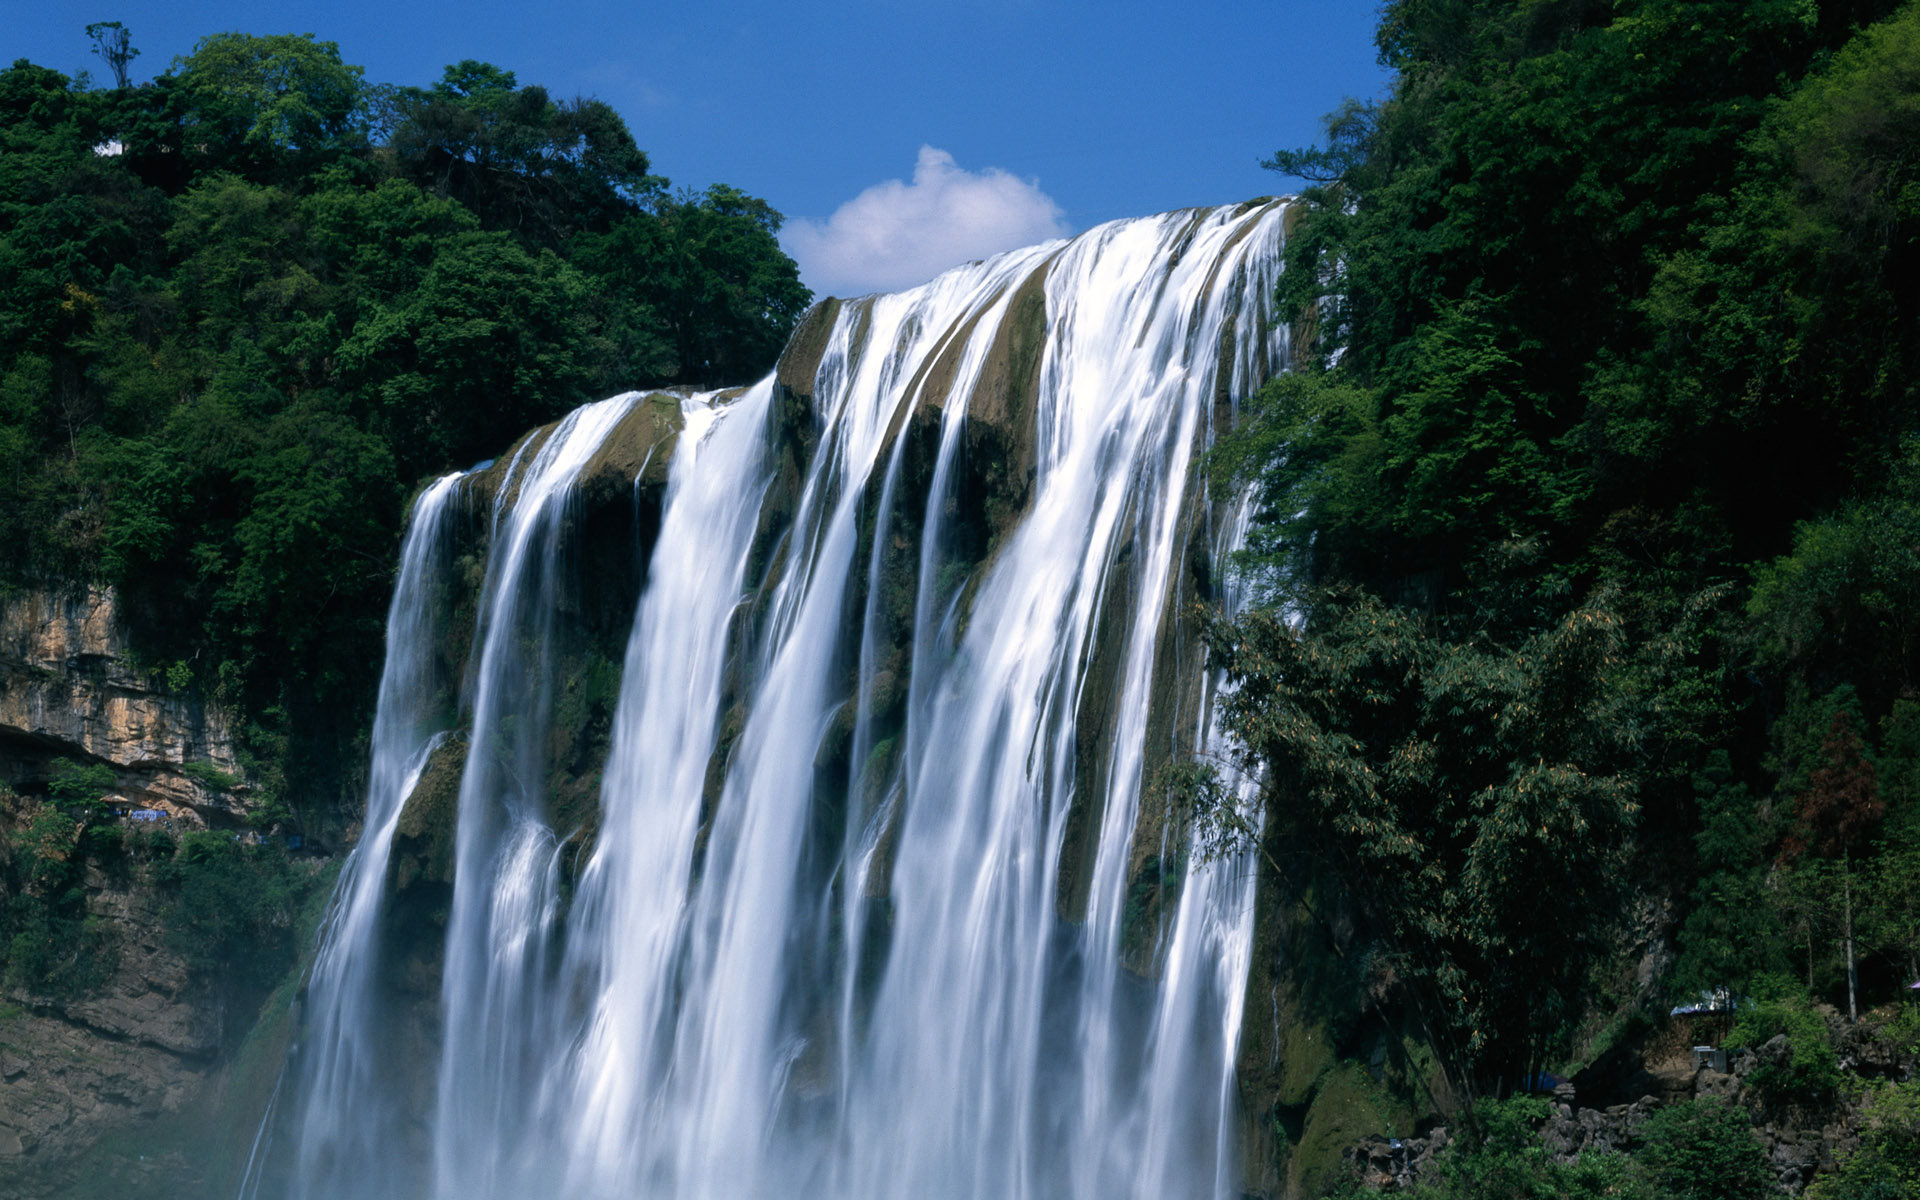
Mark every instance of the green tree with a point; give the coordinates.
(1896, 867)
(1705, 1150)
(495, 338)
(1887, 1164)
(79, 783)
(707, 273)
(232, 909)
(1606, 299)
(1835, 817)
(1810, 1071)
(50, 944)
(114, 46)
(1479, 798)
(277, 104)
(1838, 610)
(228, 350)
(525, 163)
(1496, 257)
(379, 240)
(1503, 1159)
(1733, 930)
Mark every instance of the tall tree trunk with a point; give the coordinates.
(1846, 904)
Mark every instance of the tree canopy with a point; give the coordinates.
(247, 307)
(1607, 313)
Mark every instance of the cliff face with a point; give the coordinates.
(93, 1075)
(77, 1072)
(144, 1086)
(71, 688)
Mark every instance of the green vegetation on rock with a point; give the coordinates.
(231, 910)
(1586, 675)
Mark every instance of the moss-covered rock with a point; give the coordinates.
(1329, 1053)
(1305, 1060)
(800, 362)
(1347, 1106)
(423, 839)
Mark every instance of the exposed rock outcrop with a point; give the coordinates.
(97, 1079)
(135, 1079)
(70, 687)
(76, 1070)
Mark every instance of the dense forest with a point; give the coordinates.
(246, 308)
(1591, 526)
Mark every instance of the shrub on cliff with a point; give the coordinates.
(1806, 1069)
(1887, 1164)
(1504, 1159)
(1705, 1150)
(1476, 797)
(233, 907)
(49, 945)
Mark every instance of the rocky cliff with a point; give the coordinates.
(114, 1043)
(76, 1072)
(71, 688)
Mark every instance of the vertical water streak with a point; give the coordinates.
(493, 990)
(749, 1015)
(346, 1118)
(1189, 1099)
(988, 991)
(628, 922)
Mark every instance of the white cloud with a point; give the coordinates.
(896, 234)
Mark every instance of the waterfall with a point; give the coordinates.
(495, 1009)
(344, 1114)
(879, 900)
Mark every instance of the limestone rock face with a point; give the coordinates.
(69, 688)
(74, 1071)
(64, 1087)
(77, 1071)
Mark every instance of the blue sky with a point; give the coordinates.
(959, 128)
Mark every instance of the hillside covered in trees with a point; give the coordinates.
(248, 307)
(1592, 530)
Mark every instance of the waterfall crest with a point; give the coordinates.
(878, 900)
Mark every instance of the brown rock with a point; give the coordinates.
(70, 688)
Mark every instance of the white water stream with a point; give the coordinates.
(858, 962)
(344, 1117)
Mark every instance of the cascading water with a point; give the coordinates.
(861, 916)
(342, 1114)
(496, 1013)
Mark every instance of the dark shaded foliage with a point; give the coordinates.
(1609, 306)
